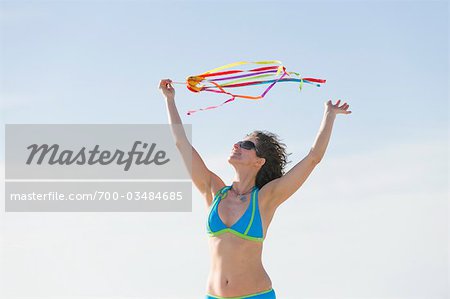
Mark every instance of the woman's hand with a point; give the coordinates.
(336, 109)
(165, 85)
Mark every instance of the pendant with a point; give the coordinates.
(243, 198)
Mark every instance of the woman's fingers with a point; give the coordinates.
(165, 83)
(343, 106)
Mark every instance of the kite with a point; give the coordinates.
(221, 79)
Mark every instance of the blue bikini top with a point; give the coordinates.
(248, 227)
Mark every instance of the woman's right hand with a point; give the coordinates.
(165, 85)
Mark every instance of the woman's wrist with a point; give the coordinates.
(330, 112)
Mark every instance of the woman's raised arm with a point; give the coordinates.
(206, 181)
(282, 188)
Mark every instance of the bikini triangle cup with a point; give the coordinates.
(248, 226)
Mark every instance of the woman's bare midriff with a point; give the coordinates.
(236, 267)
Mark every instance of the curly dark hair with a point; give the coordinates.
(270, 148)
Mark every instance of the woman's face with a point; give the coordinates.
(242, 154)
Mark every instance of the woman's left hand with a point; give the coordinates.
(336, 109)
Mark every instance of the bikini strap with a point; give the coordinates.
(221, 192)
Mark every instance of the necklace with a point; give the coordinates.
(242, 196)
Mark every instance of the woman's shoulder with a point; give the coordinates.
(264, 197)
(217, 185)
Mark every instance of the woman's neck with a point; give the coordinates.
(243, 182)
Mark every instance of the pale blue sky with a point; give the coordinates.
(370, 221)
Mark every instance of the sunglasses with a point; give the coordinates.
(247, 144)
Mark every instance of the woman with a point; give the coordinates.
(240, 214)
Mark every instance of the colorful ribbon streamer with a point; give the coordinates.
(218, 81)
